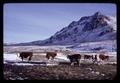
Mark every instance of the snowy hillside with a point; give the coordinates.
(103, 46)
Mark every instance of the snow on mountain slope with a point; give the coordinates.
(112, 22)
(97, 27)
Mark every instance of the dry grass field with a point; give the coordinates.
(62, 71)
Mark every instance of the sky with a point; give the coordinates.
(26, 22)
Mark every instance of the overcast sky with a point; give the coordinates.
(38, 21)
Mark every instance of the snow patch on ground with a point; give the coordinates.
(62, 56)
(11, 57)
(15, 60)
(23, 64)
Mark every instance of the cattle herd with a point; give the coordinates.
(74, 58)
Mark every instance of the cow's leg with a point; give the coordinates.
(94, 61)
(101, 61)
(48, 59)
(107, 59)
(72, 63)
(98, 61)
(79, 62)
(29, 59)
(22, 58)
(52, 58)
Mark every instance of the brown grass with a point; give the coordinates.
(60, 72)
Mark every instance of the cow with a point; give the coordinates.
(51, 54)
(103, 57)
(92, 57)
(88, 57)
(26, 55)
(74, 58)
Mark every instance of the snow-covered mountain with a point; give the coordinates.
(97, 27)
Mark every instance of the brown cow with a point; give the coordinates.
(26, 55)
(51, 54)
(74, 58)
(103, 57)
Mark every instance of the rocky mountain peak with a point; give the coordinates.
(99, 16)
(98, 13)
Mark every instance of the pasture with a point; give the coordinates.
(40, 68)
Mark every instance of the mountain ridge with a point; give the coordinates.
(83, 28)
(97, 27)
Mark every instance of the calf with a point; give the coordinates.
(74, 58)
(26, 55)
(103, 57)
(51, 54)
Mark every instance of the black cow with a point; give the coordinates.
(26, 55)
(74, 58)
